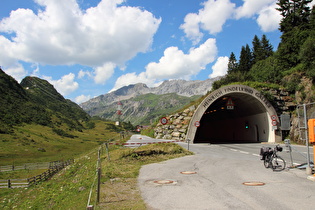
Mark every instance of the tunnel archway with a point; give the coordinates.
(234, 114)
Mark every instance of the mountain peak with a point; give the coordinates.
(180, 87)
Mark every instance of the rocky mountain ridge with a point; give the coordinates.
(180, 87)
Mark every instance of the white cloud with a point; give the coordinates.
(65, 85)
(83, 73)
(82, 98)
(103, 73)
(269, 18)
(133, 78)
(63, 34)
(220, 67)
(251, 7)
(17, 72)
(176, 65)
(191, 27)
(210, 18)
(215, 13)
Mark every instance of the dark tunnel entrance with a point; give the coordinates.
(237, 114)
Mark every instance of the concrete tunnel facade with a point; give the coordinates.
(234, 114)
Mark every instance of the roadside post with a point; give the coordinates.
(311, 135)
(107, 150)
(289, 149)
(188, 140)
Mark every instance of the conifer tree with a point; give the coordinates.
(267, 48)
(232, 65)
(294, 27)
(246, 59)
(257, 49)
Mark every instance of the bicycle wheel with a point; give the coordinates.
(277, 163)
(266, 161)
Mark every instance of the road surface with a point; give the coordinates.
(220, 177)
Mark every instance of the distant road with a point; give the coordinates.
(220, 177)
(137, 139)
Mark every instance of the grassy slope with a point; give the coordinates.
(70, 188)
(23, 145)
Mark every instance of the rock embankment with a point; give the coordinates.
(176, 126)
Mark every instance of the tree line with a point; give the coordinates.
(294, 58)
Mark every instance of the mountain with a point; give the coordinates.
(141, 104)
(35, 101)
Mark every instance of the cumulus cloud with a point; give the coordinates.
(251, 7)
(220, 67)
(17, 72)
(65, 85)
(269, 18)
(82, 98)
(215, 13)
(63, 34)
(83, 74)
(103, 73)
(210, 18)
(174, 64)
(133, 78)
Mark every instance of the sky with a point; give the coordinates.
(86, 48)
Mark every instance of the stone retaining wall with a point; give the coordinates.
(177, 125)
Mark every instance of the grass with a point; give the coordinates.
(27, 142)
(119, 186)
(70, 188)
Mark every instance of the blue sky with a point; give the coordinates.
(86, 48)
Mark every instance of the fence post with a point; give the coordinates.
(98, 185)
(9, 183)
(90, 207)
(107, 150)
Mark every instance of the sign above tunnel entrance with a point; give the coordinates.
(229, 104)
(232, 89)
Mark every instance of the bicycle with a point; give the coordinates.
(272, 159)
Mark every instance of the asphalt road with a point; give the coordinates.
(224, 177)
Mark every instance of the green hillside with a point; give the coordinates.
(35, 101)
(38, 124)
(145, 109)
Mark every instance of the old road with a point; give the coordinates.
(218, 177)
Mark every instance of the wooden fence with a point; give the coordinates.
(54, 167)
(26, 166)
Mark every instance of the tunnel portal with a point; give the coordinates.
(234, 114)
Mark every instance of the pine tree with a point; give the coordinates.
(232, 65)
(257, 49)
(246, 59)
(295, 13)
(267, 48)
(295, 30)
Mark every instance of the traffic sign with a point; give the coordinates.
(274, 123)
(164, 120)
(230, 104)
(273, 117)
(197, 124)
